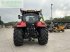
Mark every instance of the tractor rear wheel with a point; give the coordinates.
(18, 38)
(43, 36)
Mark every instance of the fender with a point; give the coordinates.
(21, 24)
(40, 24)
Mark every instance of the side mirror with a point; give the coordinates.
(19, 17)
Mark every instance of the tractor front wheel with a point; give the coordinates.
(62, 30)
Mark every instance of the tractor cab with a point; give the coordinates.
(30, 15)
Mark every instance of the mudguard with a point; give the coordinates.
(40, 24)
(21, 24)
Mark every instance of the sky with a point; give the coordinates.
(10, 13)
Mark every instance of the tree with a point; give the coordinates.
(1, 22)
(64, 19)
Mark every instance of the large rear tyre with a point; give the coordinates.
(18, 38)
(43, 36)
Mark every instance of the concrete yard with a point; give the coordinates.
(58, 42)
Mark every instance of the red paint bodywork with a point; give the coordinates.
(21, 24)
(40, 24)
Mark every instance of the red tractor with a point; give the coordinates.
(30, 27)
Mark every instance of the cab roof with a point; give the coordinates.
(30, 11)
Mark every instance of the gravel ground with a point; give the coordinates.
(58, 42)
